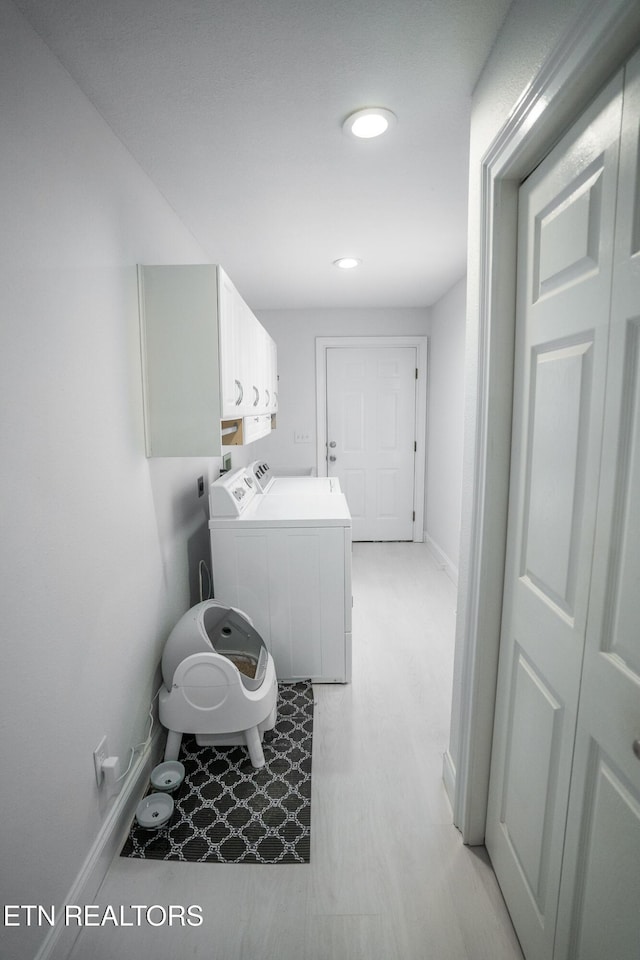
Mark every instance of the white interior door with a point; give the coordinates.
(565, 254)
(371, 436)
(599, 914)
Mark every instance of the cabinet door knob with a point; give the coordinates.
(332, 458)
(332, 443)
(240, 392)
(257, 399)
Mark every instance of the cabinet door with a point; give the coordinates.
(234, 387)
(273, 376)
(259, 372)
(253, 355)
(263, 370)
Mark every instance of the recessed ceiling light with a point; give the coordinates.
(347, 263)
(369, 122)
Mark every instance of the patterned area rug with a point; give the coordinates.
(228, 812)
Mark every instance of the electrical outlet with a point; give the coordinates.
(111, 775)
(100, 754)
(200, 486)
(226, 462)
(302, 436)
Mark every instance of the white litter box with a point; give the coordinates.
(219, 681)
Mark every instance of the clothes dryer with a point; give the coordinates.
(286, 562)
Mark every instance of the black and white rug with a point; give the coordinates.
(228, 812)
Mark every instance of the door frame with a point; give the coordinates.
(596, 44)
(421, 346)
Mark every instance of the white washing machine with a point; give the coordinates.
(268, 482)
(286, 562)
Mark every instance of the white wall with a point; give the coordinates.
(99, 546)
(294, 332)
(445, 428)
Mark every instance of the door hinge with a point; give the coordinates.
(414, 516)
(415, 446)
(416, 373)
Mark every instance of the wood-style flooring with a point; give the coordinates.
(389, 877)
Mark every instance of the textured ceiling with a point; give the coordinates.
(234, 109)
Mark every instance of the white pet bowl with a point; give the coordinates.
(167, 776)
(154, 810)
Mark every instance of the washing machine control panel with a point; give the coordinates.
(261, 474)
(231, 494)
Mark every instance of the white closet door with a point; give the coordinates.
(600, 895)
(567, 210)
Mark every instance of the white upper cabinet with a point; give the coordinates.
(206, 358)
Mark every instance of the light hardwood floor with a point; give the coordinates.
(389, 877)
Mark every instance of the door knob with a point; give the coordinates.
(332, 444)
(333, 459)
(636, 748)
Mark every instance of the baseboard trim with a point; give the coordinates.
(60, 940)
(449, 776)
(442, 560)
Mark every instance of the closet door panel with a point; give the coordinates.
(565, 256)
(600, 892)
